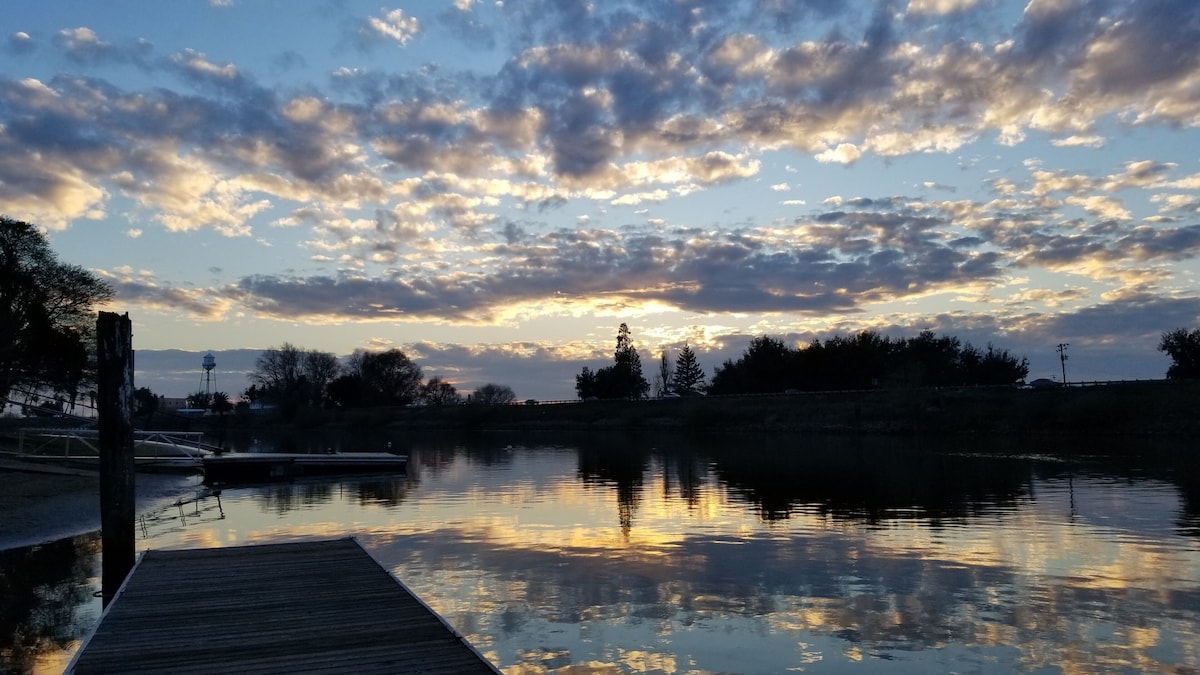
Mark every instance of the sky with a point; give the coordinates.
(493, 187)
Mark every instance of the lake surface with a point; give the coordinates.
(743, 554)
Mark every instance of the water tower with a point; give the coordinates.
(209, 363)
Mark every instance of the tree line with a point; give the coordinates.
(294, 378)
(863, 361)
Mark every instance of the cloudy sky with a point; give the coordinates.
(494, 186)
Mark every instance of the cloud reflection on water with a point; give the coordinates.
(620, 555)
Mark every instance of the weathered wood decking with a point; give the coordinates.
(324, 606)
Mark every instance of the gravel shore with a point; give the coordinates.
(43, 504)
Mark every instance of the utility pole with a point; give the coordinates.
(1062, 358)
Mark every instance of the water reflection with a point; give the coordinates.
(46, 603)
(871, 482)
(280, 498)
(643, 553)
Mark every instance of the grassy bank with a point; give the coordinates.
(1125, 409)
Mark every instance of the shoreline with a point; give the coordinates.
(44, 504)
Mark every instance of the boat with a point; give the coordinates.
(153, 451)
(259, 467)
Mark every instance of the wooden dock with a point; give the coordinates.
(324, 606)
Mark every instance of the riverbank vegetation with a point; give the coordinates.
(861, 384)
(1156, 408)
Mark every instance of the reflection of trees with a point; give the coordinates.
(1189, 485)
(491, 453)
(621, 464)
(385, 492)
(1182, 467)
(1171, 460)
(41, 591)
(851, 480)
(681, 472)
(436, 452)
(279, 498)
(844, 477)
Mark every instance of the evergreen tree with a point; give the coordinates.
(765, 368)
(628, 368)
(689, 378)
(623, 379)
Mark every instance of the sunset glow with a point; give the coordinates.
(495, 185)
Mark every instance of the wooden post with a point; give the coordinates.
(114, 362)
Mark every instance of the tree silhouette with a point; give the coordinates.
(1184, 349)
(388, 377)
(585, 384)
(220, 403)
(200, 400)
(439, 392)
(689, 377)
(145, 403)
(628, 367)
(47, 319)
(764, 368)
(623, 379)
(494, 394)
(663, 379)
(866, 360)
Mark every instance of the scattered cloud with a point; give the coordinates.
(394, 25)
(591, 159)
(844, 153)
(19, 43)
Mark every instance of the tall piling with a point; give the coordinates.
(114, 363)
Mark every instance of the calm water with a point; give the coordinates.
(738, 554)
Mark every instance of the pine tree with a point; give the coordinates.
(689, 378)
(628, 367)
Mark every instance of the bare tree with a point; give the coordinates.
(387, 377)
(277, 371)
(319, 370)
(439, 392)
(494, 394)
(662, 381)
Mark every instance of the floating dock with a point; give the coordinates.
(259, 467)
(324, 606)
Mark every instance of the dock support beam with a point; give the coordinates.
(114, 362)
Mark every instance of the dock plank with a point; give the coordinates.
(279, 608)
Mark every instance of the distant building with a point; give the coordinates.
(169, 404)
